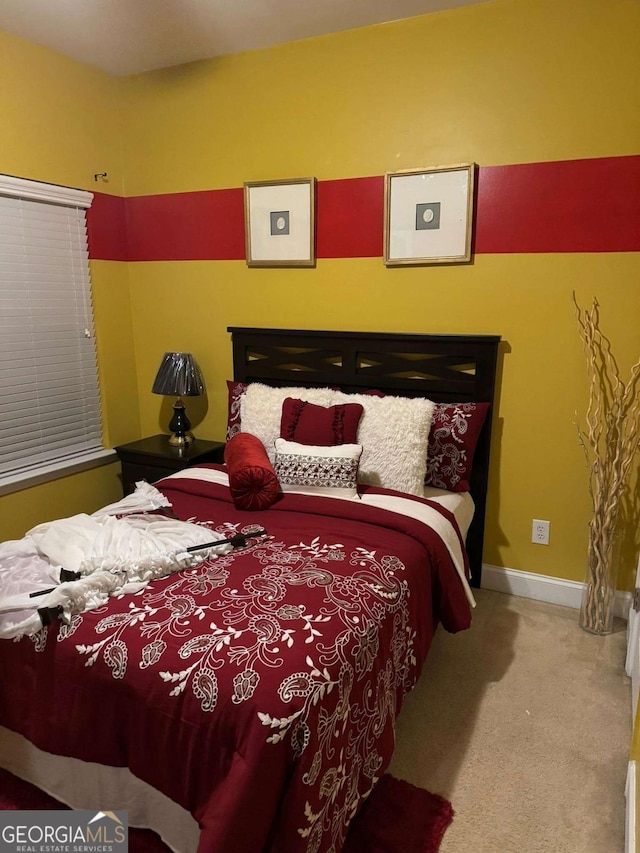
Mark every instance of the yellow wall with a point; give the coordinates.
(497, 83)
(60, 120)
(61, 123)
(66, 496)
(508, 81)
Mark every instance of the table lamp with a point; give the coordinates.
(179, 376)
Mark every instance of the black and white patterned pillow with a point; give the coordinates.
(308, 469)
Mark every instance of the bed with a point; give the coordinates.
(247, 703)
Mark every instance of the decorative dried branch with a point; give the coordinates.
(610, 441)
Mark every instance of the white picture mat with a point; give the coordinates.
(263, 200)
(451, 190)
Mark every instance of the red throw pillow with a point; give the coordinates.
(252, 481)
(235, 390)
(307, 423)
(453, 437)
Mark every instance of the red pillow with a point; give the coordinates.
(453, 437)
(307, 423)
(252, 481)
(235, 390)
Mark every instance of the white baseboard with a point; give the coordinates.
(544, 588)
(630, 822)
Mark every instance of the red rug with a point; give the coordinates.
(397, 817)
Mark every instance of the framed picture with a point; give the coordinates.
(279, 218)
(428, 215)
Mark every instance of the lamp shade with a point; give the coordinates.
(178, 376)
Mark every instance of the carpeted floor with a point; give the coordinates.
(524, 724)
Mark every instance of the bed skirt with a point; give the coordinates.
(85, 785)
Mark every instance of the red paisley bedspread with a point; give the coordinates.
(258, 690)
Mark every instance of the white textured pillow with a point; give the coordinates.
(261, 409)
(393, 431)
(394, 434)
(310, 470)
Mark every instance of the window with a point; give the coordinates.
(49, 395)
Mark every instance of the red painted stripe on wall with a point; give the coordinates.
(563, 206)
(194, 226)
(350, 217)
(106, 228)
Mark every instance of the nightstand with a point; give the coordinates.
(153, 458)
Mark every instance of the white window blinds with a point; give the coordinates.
(49, 396)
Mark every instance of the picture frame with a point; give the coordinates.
(280, 223)
(428, 215)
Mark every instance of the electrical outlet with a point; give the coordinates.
(540, 531)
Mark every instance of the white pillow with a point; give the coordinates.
(393, 431)
(310, 470)
(261, 409)
(394, 434)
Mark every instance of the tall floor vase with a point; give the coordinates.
(600, 585)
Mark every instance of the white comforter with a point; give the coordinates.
(111, 555)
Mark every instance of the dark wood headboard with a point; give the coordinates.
(443, 368)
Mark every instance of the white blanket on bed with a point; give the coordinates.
(112, 555)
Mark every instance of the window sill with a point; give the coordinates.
(16, 482)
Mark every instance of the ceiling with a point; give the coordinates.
(131, 36)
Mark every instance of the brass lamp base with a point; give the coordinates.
(180, 440)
